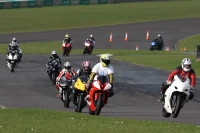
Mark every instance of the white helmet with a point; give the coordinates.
(186, 64)
(159, 35)
(91, 35)
(14, 39)
(67, 65)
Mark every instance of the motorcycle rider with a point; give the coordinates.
(12, 46)
(68, 39)
(86, 71)
(91, 38)
(184, 69)
(53, 56)
(66, 71)
(14, 40)
(103, 67)
(159, 41)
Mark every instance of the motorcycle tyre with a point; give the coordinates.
(80, 103)
(67, 100)
(165, 113)
(91, 112)
(54, 78)
(99, 104)
(177, 109)
(151, 48)
(12, 68)
(85, 50)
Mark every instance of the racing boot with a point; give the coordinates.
(161, 99)
(111, 92)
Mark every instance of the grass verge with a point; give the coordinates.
(48, 121)
(67, 17)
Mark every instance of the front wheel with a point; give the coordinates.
(177, 105)
(99, 104)
(165, 113)
(151, 48)
(80, 103)
(67, 99)
(84, 51)
(54, 78)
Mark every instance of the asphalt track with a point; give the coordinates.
(137, 88)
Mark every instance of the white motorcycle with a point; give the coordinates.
(12, 60)
(176, 96)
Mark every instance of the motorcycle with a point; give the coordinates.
(12, 60)
(88, 46)
(66, 48)
(98, 95)
(54, 70)
(156, 46)
(80, 92)
(176, 96)
(65, 90)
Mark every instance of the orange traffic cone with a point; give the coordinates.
(111, 40)
(136, 47)
(126, 37)
(147, 37)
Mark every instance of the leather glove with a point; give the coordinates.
(191, 89)
(168, 82)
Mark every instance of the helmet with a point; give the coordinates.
(105, 60)
(86, 65)
(67, 65)
(91, 35)
(14, 39)
(67, 36)
(186, 64)
(159, 35)
(53, 54)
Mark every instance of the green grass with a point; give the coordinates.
(46, 121)
(190, 43)
(67, 17)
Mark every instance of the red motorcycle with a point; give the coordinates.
(98, 95)
(88, 47)
(66, 47)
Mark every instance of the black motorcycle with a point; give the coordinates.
(156, 46)
(54, 70)
(66, 91)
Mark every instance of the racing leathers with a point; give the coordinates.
(68, 74)
(190, 74)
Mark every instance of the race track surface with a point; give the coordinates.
(137, 88)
